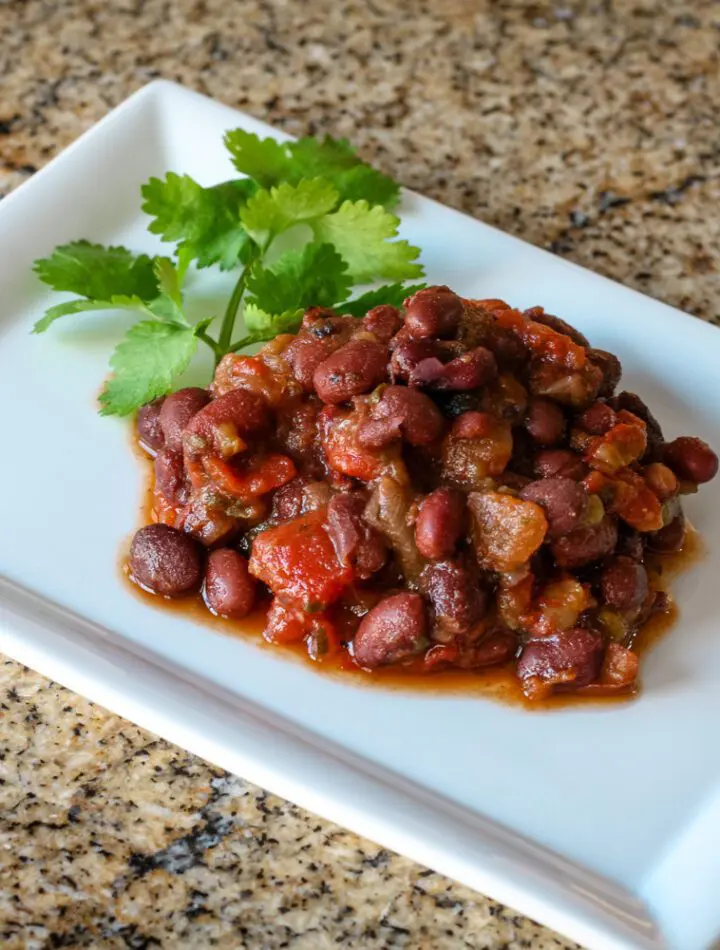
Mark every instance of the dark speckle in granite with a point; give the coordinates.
(587, 128)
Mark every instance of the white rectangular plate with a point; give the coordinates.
(602, 822)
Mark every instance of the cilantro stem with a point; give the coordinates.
(241, 344)
(228, 323)
(215, 347)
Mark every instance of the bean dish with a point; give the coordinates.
(452, 485)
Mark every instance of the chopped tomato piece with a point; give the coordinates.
(620, 446)
(298, 563)
(259, 476)
(343, 452)
(542, 340)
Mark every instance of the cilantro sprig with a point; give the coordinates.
(332, 211)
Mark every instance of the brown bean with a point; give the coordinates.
(631, 402)
(566, 660)
(149, 431)
(545, 421)
(245, 410)
(433, 312)
(320, 336)
(357, 367)
(440, 523)
(669, 539)
(394, 630)
(165, 561)
(177, 411)
(624, 584)
(229, 588)
(469, 371)
(383, 322)
(402, 413)
(597, 419)
(407, 353)
(170, 476)
(457, 598)
(499, 646)
(562, 462)
(356, 543)
(585, 545)
(538, 315)
(611, 369)
(691, 459)
(564, 501)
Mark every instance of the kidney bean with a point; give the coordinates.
(440, 523)
(320, 336)
(299, 496)
(407, 353)
(170, 476)
(229, 589)
(498, 646)
(597, 419)
(149, 430)
(624, 584)
(456, 596)
(383, 322)
(402, 413)
(165, 561)
(585, 545)
(691, 459)
(433, 312)
(394, 630)
(563, 500)
(669, 539)
(611, 369)
(356, 543)
(245, 410)
(357, 367)
(538, 315)
(177, 411)
(561, 462)
(468, 371)
(631, 544)
(545, 421)
(566, 660)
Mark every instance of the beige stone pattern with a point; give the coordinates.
(588, 128)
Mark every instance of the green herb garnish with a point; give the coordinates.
(342, 233)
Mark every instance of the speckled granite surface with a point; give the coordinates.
(589, 128)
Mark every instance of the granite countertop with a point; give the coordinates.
(583, 128)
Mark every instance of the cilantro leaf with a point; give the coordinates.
(98, 272)
(116, 302)
(392, 294)
(270, 212)
(262, 326)
(205, 220)
(314, 276)
(145, 363)
(270, 162)
(360, 233)
(265, 160)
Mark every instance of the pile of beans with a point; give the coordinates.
(451, 484)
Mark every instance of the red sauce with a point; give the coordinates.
(498, 683)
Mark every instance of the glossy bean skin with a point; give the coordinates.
(229, 588)
(457, 597)
(170, 476)
(611, 369)
(433, 312)
(394, 630)
(561, 462)
(670, 539)
(561, 661)
(356, 368)
(408, 353)
(545, 421)
(585, 545)
(440, 523)
(356, 543)
(165, 561)
(469, 371)
(176, 412)
(402, 413)
(624, 584)
(597, 419)
(563, 500)
(691, 459)
(149, 431)
(320, 336)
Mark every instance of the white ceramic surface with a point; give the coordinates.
(602, 822)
